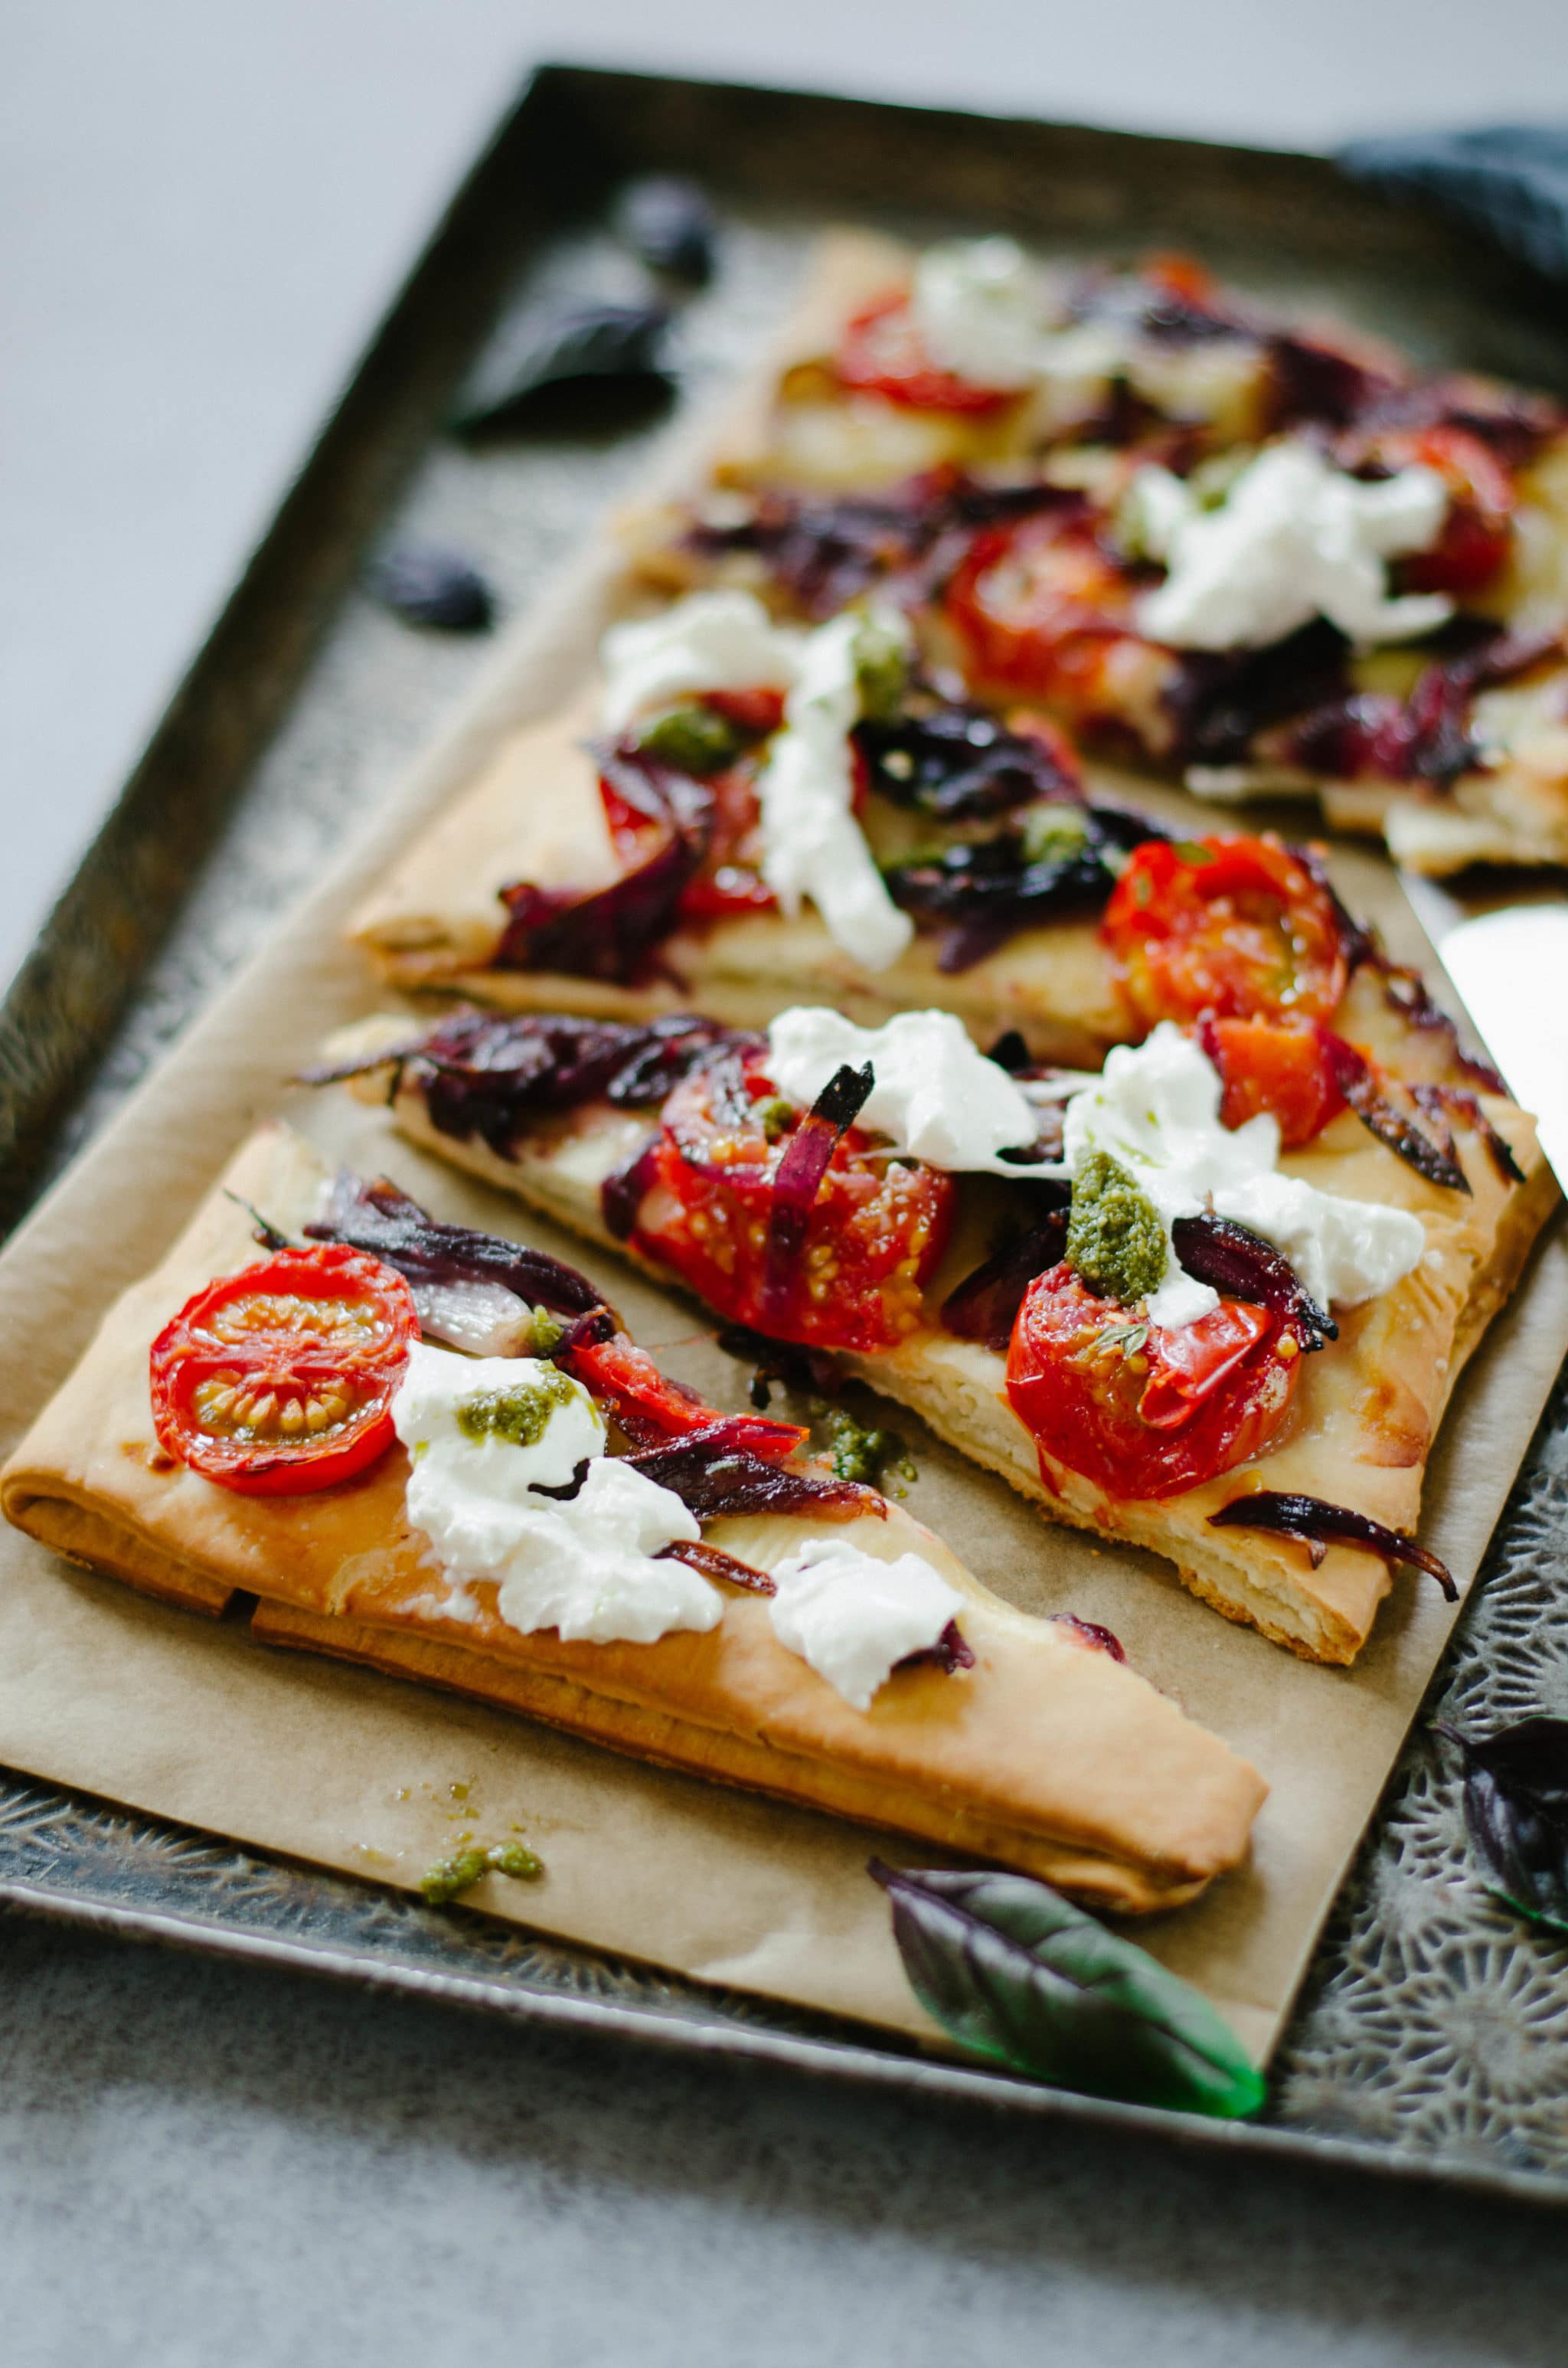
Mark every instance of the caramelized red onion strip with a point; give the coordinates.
(378, 1217)
(715, 1472)
(1357, 1081)
(985, 1305)
(798, 1180)
(1239, 1264)
(1317, 1526)
(714, 1562)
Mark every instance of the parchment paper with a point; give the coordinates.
(197, 1722)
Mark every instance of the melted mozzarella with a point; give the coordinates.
(1156, 1110)
(854, 1618)
(586, 1568)
(1294, 539)
(938, 1097)
(712, 641)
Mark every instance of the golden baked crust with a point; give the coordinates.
(1046, 1756)
(1359, 1431)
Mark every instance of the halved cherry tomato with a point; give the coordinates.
(280, 1379)
(1478, 532)
(1044, 609)
(1229, 928)
(876, 1231)
(1284, 1067)
(1144, 1416)
(881, 352)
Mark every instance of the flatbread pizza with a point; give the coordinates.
(1120, 1292)
(436, 1453)
(1264, 555)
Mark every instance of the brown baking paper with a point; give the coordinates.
(197, 1722)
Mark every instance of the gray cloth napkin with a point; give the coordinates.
(1510, 181)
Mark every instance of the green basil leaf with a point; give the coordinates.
(1016, 1973)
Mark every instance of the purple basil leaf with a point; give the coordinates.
(668, 224)
(1014, 1973)
(429, 584)
(1516, 1808)
(588, 341)
(1317, 1526)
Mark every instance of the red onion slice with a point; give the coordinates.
(714, 1562)
(1317, 1526)
(798, 1180)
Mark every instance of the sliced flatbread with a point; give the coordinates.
(1049, 1754)
(1359, 1433)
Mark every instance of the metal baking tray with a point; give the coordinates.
(1432, 2040)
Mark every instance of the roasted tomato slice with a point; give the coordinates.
(280, 1379)
(1139, 1411)
(1478, 532)
(1043, 609)
(876, 1229)
(1284, 1067)
(881, 352)
(1231, 929)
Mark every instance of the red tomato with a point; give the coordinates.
(1145, 1418)
(727, 880)
(876, 1231)
(1041, 609)
(1283, 1066)
(1478, 531)
(882, 353)
(280, 1379)
(1228, 928)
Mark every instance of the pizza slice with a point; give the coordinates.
(1266, 558)
(1208, 1301)
(745, 815)
(437, 1453)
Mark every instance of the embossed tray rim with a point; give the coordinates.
(687, 2031)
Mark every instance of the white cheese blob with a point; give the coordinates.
(978, 307)
(983, 312)
(935, 1094)
(1293, 539)
(711, 641)
(812, 844)
(854, 1618)
(586, 1568)
(1156, 1110)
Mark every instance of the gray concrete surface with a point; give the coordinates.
(202, 207)
(200, 2164)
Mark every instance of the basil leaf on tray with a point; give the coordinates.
(1516, 1808)
(1015, 1972)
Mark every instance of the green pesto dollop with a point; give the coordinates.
(1054, 833)
(1115, 1238)
(881, 668)
(693, 739)
(548, 1330)
(860, 1452)
(520, 1412)
(450, 1876)
(776, 1117)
